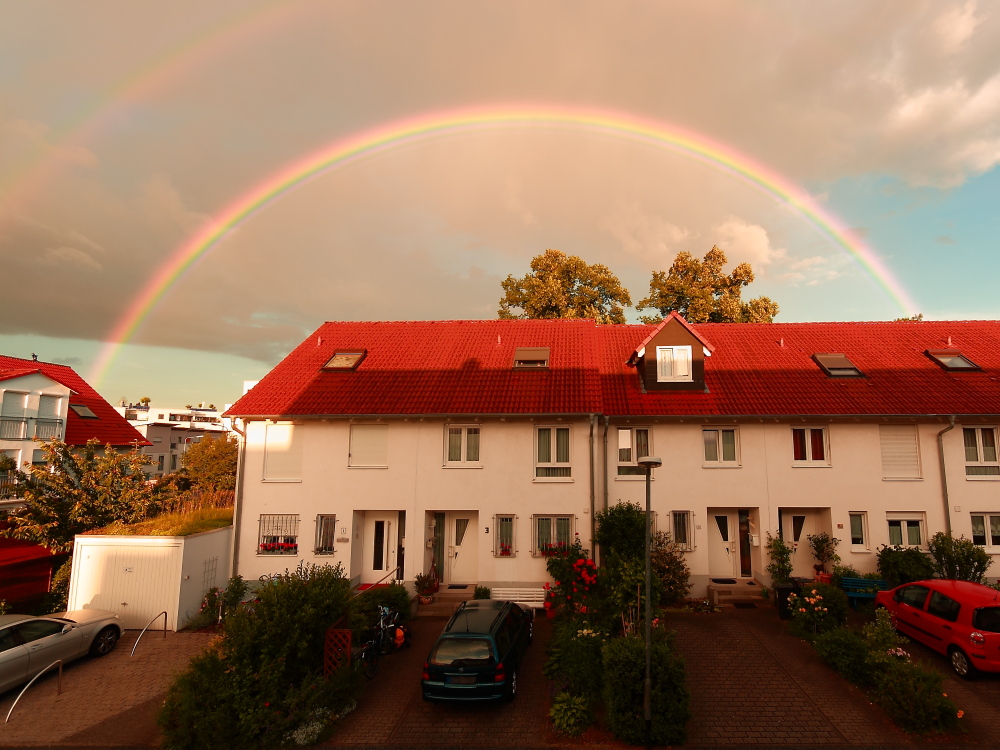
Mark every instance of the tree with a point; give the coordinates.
(76, 491)
(701, 292)
(145, 400)
(563, 286)
(211, 464)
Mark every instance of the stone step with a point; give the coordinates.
(729, 593)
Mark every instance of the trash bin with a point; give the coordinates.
(781, 593)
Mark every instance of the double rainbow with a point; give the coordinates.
(438, 125)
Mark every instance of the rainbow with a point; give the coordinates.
(437, 125)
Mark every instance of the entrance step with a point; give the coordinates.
(744, 590)
(445, 602)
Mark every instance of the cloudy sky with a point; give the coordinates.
(127, 128)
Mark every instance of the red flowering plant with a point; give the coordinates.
(575, 579)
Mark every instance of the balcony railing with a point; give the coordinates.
(8, 486)
(13, 428)
(46, 429)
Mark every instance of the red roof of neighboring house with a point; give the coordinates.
(465, 367)
(109, 427)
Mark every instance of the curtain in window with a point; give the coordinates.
(472, 444)
(641, 444)
(989, 444)
(562, 445)
(544, 445)
(895, 533)
(454, 443)
(711, 438)
(799, 445)
(913, 533)
(562, 530)
(995, 531)
(818, 446)
(979, 530)
(728, 445)
(971, 449)
(505, 535)
(624, 445)
(680, 528)
(544, 534)
(857, 529)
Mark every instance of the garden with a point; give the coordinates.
(596, 656)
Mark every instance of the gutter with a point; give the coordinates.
(944, 474)
(593, 492)
(238, 499)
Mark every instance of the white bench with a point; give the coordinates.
(529, 598)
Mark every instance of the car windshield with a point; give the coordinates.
(462, 652)
(988, 619)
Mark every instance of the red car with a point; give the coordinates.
(956, 618)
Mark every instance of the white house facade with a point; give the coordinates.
(472, 445)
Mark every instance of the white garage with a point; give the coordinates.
(141, 576)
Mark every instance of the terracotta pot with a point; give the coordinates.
(426, 598)
(551, 613)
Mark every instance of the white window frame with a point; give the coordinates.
(720, 462)
(980, 462)
(906, 520)
(463, 462)
(280, 529)
(319, 548)
(497, 541)
(553, 529)
(353, 461)
(988, 520)
(865, 545)
(672, 368)
(894, 444)
(809, 460)
(553, 443)
(685, 517)
(633, 452)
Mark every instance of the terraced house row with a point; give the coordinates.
(473, 445)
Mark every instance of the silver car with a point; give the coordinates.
(30, 644)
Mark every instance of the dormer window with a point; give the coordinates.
(673, 364)
(951, 359)
(347, 359)
(837, 366)
(531, 358)
(83, 411)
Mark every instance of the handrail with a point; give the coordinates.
(164, 613)
(57, 661)
(391, 572)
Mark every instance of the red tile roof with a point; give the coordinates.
(465, 367)
(110, 427)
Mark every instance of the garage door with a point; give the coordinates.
(136, 582)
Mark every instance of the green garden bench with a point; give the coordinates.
(861, 588)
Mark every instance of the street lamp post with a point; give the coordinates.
(648, 463)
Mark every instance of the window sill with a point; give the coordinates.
(721, 465)
(984, 478)
(368, 467)
(861, 550)
(905, 479)
(462, 466)
(812, 465)
(504, 557)
(274, 481)
(550, 480)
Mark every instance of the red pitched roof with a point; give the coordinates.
(110, 427)
(465, 367)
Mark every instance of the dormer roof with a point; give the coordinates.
(660, 326)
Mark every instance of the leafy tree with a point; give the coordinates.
(563, 286)
(702, 292)
(211, 463)
(145, 400)
(75, 491)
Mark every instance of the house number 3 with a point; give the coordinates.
(487, 530)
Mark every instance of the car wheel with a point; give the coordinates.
(105, 642)
(512, 685)
(961, 664)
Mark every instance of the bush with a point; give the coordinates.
(570, 713)
(824, 548)
(914, 698)
(481, 592)
(959, 559)
(624, 663)
(576, 581)
(670, 567)
(621, 530)
(624, 588)
(780, 567)
(581, 663)
(364, 610)
(840, 572)
(818, 609)
(58, 597)
(845, 650)
(899, 565)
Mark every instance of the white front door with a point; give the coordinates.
(462, 540)
(379, 545)
(797, 524)
(723, 552)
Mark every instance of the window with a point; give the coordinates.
(809, 446)
(859, 531)
(673, 363)
(680, 527)
(38, 458)
(282, 452)
(12, 422)
(552, 453)
(461, 445)
(532, 358)
(503, 539)
(981, 452)
(83, 411)
(278, 535)
(158, 440)
(951, 359)
(721, 446)
(173, 462)
(986, 530)
(326, 530)
(900, 457)
(159, 463)
(905, 530)
(347, 359)
(943, 607)
(837, 366)
(369, 445)
(915, 596)
(633, 444)
(551, 533)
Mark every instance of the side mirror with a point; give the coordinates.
(66, 628)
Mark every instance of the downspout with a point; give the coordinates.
(604, 463)
(238, 499)
(944, 475)
(593, 485)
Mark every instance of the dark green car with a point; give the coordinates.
(479, 653)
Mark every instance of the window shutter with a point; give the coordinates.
(48, 407)
(900, 459)
(13, 404)
(369, 445)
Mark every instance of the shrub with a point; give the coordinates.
(621, 530)
(780, 567)
(581, 662)
(364, 610)
(58, 597)
(824, 548)
(481, 592)
(959, 559)
(840, 572)
(624, 673)
(818, 609)
(570, 713)
(625, 591)
(670, 568)
(845, 650)
(899, 565)
(576, 578)
(914, 698)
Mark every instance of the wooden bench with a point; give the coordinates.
(861, 588)
(529, 598)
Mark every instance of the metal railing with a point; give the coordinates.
(8, 486)
(390, 573)
(13, 428)
(57, 661)
(164, 615)
(46, 429)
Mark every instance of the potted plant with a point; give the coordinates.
(780, 569)
(426, 585)
(824, 549)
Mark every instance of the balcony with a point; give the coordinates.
(46, 429)
(7, 486)
(13, 428)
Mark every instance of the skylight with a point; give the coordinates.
(951, 359)
(347, 359)
(531, 357)
(837, 365)
(83, 411)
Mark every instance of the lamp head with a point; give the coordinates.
(650, 462)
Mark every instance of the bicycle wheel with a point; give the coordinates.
(369, 661)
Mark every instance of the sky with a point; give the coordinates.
(846, 149)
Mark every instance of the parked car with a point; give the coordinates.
(955, 618)
(30, 644)
(479, 652)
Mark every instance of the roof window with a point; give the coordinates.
(951, 359)
(83, 411)
(531, 357)
(837, 365)
(346, 359)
